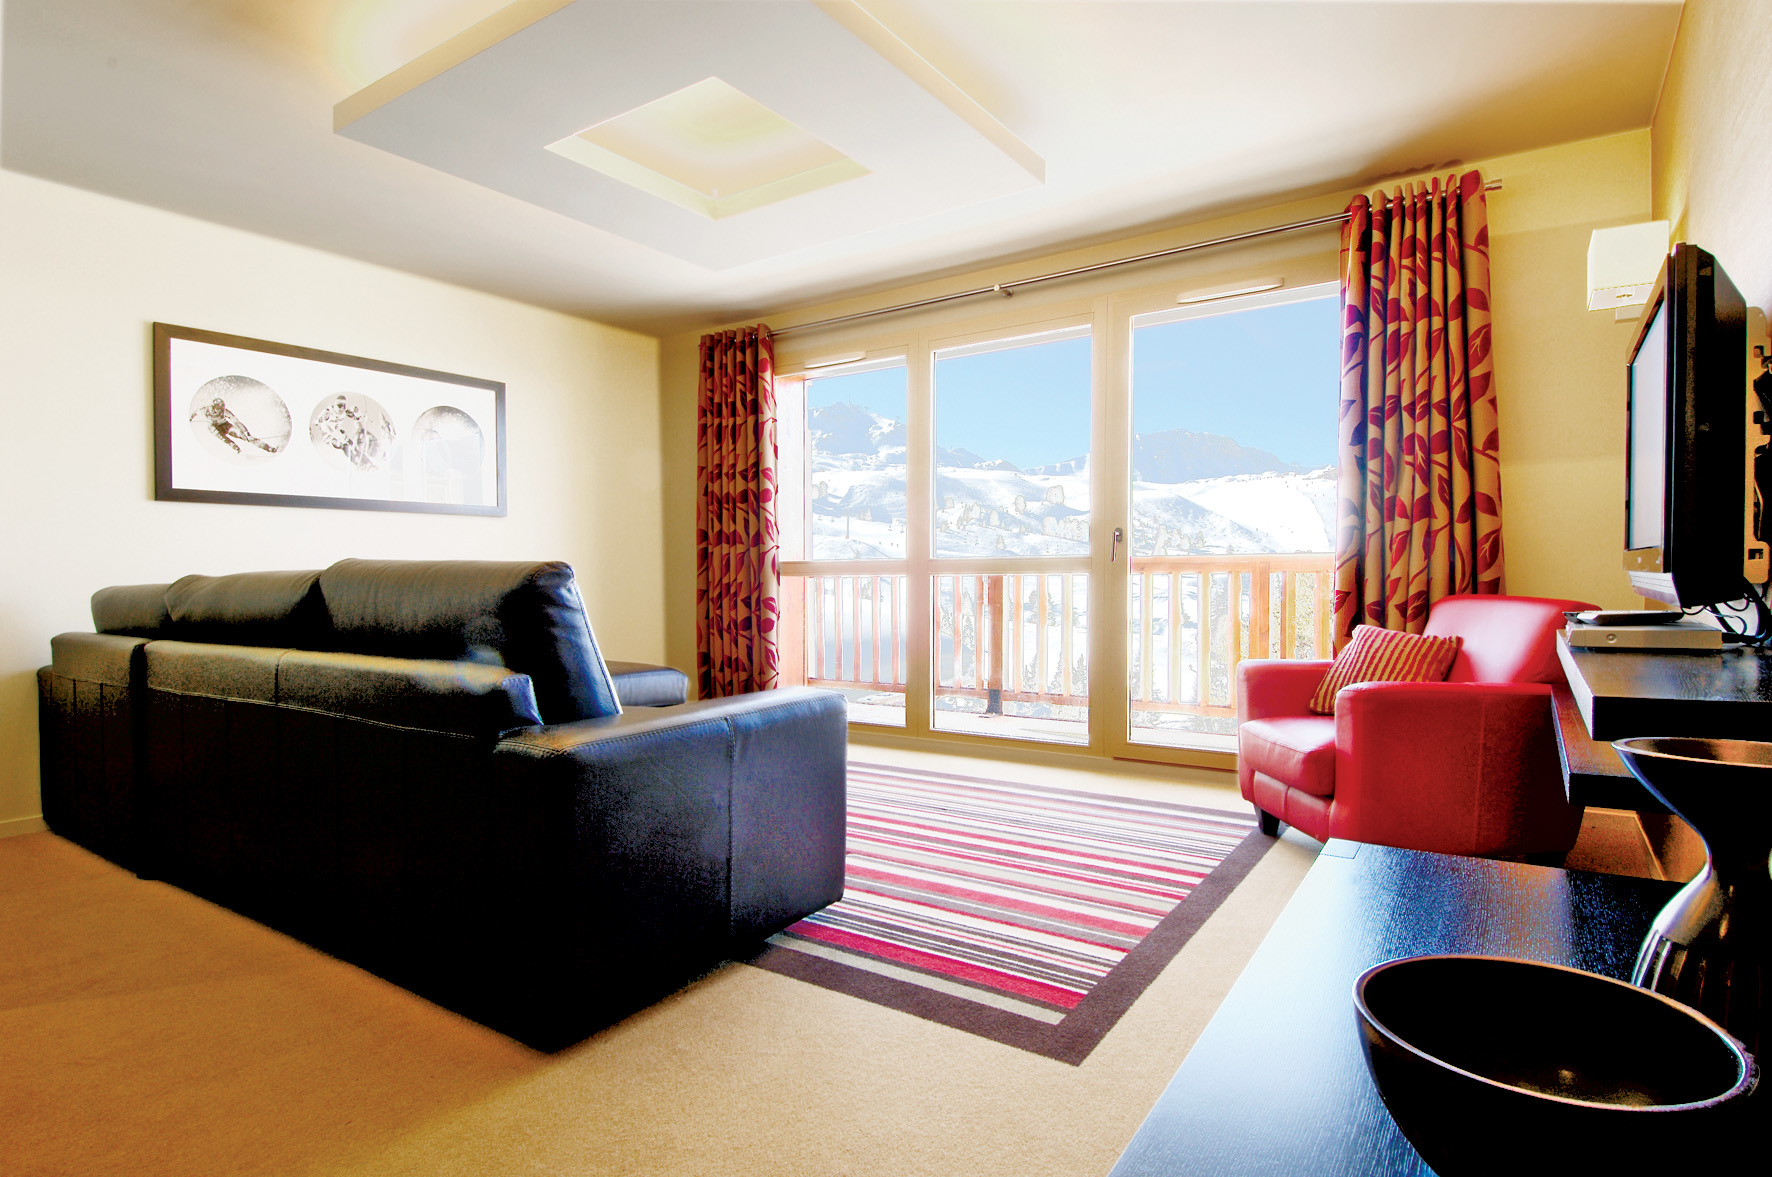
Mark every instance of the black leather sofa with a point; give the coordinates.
(427, 769)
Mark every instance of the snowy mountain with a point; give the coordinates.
(1180, 455)
(1193, 493)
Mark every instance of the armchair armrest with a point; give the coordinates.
(1462, 768)
(1268, 687)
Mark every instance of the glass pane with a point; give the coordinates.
(856, 473)
(846, 633)
(1012, 448)
(1012, 656)
(1233, 492)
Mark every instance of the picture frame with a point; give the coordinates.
(239, 420)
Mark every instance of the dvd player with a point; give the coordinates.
(1680, 635)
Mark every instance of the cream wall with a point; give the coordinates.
(1712, 139)
(82, 277)
(1559, 367)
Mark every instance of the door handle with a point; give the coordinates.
(1114, 548)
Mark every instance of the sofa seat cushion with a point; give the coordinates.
(1297, 750)
(527, 617)
(454, 698)
(448, 698)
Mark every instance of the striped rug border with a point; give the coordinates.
(1072, 1037)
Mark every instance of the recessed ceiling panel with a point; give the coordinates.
(711, 149)
(719, 133)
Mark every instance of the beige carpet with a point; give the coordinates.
(143, 1031)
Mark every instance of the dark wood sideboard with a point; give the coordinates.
(1277, 1084)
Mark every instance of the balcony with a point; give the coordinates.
(1011, 654)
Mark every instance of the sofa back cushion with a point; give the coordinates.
(132, 610)
(249, 609)
(524, 616)
(1506, 639)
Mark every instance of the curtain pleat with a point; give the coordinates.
(1419, 476)
(738, 571)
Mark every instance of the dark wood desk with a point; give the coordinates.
(1725, 694)
(1592, 772)
(1277, 1084)
(1613, 694)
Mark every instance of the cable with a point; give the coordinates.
(1762, 634)
(1735, 627)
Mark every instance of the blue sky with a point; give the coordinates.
(882, 391)
(1267, 378)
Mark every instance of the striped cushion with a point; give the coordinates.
(1384, 655)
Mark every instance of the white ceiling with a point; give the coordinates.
(503, 107)
(1145, 113)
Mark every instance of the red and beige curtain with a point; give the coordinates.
(1419, 485)
(738, 575)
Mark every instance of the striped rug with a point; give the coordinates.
(1029, 915)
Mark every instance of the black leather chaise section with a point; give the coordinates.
(528, 617)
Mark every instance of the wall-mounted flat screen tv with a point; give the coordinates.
(1689, 509)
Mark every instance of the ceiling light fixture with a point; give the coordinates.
(709, 148)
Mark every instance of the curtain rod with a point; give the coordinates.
(1007, 289)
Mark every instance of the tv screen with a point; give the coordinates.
(1648, 434)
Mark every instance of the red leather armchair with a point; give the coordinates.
(1466, 766)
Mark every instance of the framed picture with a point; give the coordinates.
(245, 421)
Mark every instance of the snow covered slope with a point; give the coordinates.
(1195, 493)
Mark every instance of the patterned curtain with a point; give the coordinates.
(738, 573)
(1419, 487)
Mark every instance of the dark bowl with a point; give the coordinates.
(1493, 1065)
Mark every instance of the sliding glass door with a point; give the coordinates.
(981, 530)
(1010, 533)
(1232, 496)
(844, 520)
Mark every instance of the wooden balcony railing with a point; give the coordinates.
(1023, 637)
(1283, 609)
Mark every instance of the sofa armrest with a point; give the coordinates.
(641, 684)
(739, 799)
(1463, 768)
(89, 699)
(1268, 687)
